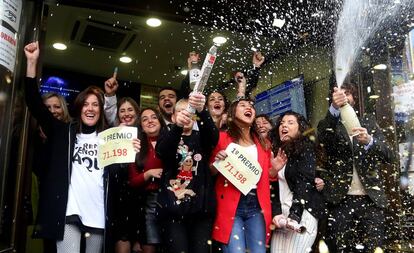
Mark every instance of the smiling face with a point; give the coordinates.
(263, 126)
(288, 128)
(127, 114)
(90, 112)
(245, 113)
(166, 102)
(54, 106)
(150, 123)
(215, 104)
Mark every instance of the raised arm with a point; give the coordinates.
(32, 96)
(111, 86)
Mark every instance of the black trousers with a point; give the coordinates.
(355, 225)
(189, 234)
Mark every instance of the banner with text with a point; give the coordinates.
(115, 145)
(239, 168)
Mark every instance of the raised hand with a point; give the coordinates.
(183, 118)
(278, 162)
(258, 59)
(338, 98)
(111, 85)
(193, 57)
(319, 183)
(197, 101)
(32, 55)
(32, 51)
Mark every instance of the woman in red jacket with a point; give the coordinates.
(242, 222)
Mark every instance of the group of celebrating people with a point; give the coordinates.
(175, 198)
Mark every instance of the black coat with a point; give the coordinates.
(53, 192)
(300, 177)
(342, 154)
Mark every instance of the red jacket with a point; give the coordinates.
(228, 196)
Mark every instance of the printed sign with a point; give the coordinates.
(115, 146)
(11, 12)
(239, 168)
(8, 44)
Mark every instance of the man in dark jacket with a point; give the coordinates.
(354, 188)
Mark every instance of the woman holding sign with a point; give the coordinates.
(301, 203)
(124, 204)
(71, 200)
(242, 220)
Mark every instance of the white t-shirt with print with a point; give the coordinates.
(86, 190)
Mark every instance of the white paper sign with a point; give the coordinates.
(8, 48)
(11, 12)
(239, 168)
(115, 146)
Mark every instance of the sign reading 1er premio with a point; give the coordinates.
(115, 146)
(239, 168)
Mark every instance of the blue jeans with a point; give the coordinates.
(248, 233)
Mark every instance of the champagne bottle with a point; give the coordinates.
(349, 118)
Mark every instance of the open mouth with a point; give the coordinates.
(128, 118)
(284, 134)
(90, 116)
(217, 107)
(168, 105)
(248, 114)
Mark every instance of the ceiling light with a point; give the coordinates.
(184, 72)
(219, 40)
(125, 59)
(153, 22)
(380, 67)
(59, 46)
(278, 22)
(146, 96)
(374, 96)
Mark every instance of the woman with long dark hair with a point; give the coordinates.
(145, 174)
(301, 204)
(242, 222)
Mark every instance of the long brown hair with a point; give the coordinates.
(134, 105)
(79, 102)
(141, 157)
(234, 129)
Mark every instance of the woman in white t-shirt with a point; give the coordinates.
(71, 197)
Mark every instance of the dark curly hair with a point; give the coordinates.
(294, 146)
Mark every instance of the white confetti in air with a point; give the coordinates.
(359, 247)
(278, 22)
